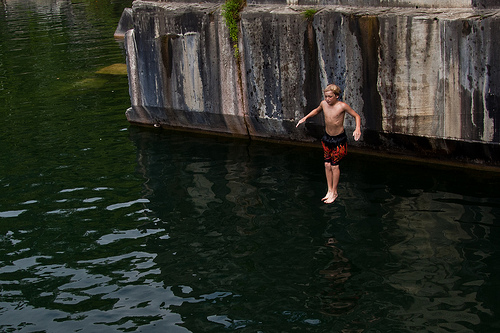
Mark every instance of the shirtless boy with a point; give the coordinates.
(335, 140)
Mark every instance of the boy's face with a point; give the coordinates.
(330, 97)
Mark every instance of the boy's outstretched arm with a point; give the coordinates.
(310, 114)
(357, 132)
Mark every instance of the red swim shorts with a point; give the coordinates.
(334, 147)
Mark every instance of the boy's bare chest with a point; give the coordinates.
(333, 112)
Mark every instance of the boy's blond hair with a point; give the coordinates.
(333, 88)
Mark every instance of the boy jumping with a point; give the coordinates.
(335, 140)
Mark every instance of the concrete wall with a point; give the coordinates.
(480, 4)
(424, 80)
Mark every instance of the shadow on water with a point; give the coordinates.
(250, 245)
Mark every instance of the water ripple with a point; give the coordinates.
(127, 234)
(126, 204)
(12, 213)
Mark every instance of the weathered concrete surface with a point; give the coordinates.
(479, 4)
(424, 80)
(126, 23)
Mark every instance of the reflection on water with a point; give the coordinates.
(107, 227)
(338, 272)
(431, 264)
(390, 255)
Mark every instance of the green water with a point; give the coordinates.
(105, 227)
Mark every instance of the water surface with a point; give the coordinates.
(107, 227)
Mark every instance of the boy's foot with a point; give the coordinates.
(327, 195)
(330, 198)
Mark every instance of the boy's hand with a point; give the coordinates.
(301, 121)
(356, 134)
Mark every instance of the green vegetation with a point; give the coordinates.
(231, 13)
(309, 13)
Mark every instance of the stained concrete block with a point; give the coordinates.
(421, 73)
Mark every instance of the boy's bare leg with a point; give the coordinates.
(332, 179)
(329, 178)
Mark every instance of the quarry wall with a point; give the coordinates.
(424, 75)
